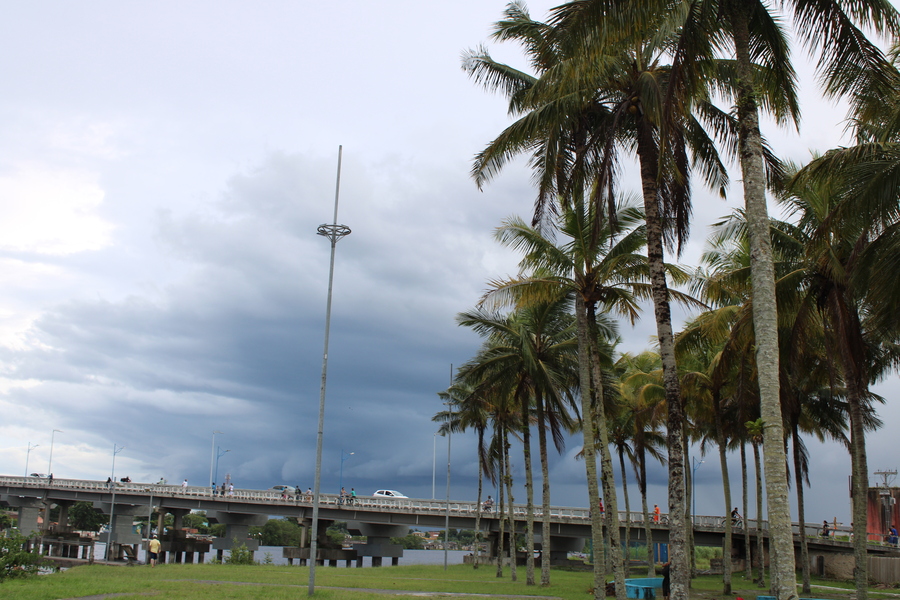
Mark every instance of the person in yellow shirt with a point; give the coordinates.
(154, 550)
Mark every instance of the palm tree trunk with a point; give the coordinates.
(606, 468)
(590, 460)
(481, 465)
(627, 558)
(513, 571)
(689, 519)
(721, 442)
(745, 505)
(760, 548)
(801, 511)
(529, 490)
(545, 497)
(501, 497)
(648, 531)
(762, 273)
(648, 157)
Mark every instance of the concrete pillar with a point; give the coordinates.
(29, 511)
(237, 526)
(378, 544)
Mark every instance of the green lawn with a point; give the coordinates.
(226, 582)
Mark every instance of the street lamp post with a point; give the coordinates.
(219, 454)
(447, 513)
(694, 485)
(27, 455)
(50, 462)
(433, 463)
(343, 458)
(112, 506)
(334, 233)
(212, 456)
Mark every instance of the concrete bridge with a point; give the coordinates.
(377, 518)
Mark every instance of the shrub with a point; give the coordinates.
(239, 554)
(16, 562)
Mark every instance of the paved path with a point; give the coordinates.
(326, 587)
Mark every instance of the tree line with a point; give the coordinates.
(792, 319)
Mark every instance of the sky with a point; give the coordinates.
(163, 169)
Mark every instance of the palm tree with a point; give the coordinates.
(844, 55)
(846, 280)
(576, 116)
(469, 407)
(641, 390)
(706, 382)
(531, 353)
(755, 431)
(597, 268)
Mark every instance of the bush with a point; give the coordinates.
(15, 562)
(239, 554)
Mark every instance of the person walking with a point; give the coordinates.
(154, 550)
(184, 484)
(656, 513)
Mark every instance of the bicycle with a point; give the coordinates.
(736, 523)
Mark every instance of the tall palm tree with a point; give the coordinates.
(650, 106)
(531, 353)
(584, 104)
(829, 27)
(596, 267)
(755, 432)
(846, 279)
(469, 408)
(642, 391)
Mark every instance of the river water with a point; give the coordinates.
(410, 557)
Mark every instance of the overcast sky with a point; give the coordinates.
(163, 169)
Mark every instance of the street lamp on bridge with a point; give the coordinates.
(694, 486)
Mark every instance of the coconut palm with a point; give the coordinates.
(531, 353)
(846, 260)
(598, 268)
(643, 394)
(846, 59)
(469, 408)
(587, 103)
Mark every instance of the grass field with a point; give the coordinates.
(231, 582)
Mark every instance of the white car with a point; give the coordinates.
(284, 489)
(389, 494)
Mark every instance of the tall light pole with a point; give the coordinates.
(447, 514)
(694, 485)
(433, 463)
(219, 454)
(212, 456)
(50, 462)
(343, 458)
(334, 233)
(112, 506)
(27, 455)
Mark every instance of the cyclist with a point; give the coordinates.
(735, 516)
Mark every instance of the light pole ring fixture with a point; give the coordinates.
(333, 232)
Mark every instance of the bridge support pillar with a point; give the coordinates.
(378, 544)
(237, 527)
(29, 511)
(120, 532)
(560, 548)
